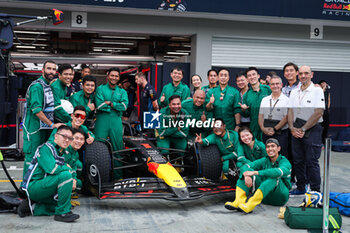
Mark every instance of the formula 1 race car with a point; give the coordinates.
(149, 173)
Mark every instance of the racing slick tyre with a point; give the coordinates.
(210, 165)
(97, 154)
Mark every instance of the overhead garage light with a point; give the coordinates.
(94, 53)
(111, 48)
(179, 38)
(25, 47)
(32, 66)
(183, 51)
(29, 38)
(113, 42)
(111, 65)
(31, 32)
(176, 53)
(30, 52)
(126, 37)
(100, 58)
(19, 44)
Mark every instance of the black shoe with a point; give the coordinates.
(68, 217)
(24, 209)
(297, 192)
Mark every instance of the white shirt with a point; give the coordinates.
(278, 108)
(305, 102)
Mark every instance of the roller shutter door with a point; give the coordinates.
(273, 54)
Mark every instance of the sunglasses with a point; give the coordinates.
(81, 116)
(66, 137)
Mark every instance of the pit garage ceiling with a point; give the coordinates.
(95, 48)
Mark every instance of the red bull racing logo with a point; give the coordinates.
(346, 7)
(336, 7)
(57, 16)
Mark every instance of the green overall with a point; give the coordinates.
(227, 107)
(227, 145)
(49, 180)
(169, 134)
(206, 89)
(251, 155)
(253, 99)
(82, 127)
(273, 179)
(109, 120)
(79, 98)
(196, 113)
(169, 90)
(33, 136)
(60, 92)
(72, 159)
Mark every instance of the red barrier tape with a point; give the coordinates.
(129, 71)
(156, 78)
(8, 126)
(339, 125)
(28, 71)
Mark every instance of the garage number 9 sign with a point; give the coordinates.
(316, 32)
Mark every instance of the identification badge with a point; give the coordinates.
(269, 116)
(298, 110)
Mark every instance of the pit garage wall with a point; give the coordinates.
(313, 9)
(206, 28)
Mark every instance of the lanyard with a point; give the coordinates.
(229, 139)
(222, 93)
(272, 107)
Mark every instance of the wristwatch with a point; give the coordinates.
(303, 129)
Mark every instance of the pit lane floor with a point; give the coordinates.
(153, 215)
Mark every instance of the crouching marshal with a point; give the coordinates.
(269, 176)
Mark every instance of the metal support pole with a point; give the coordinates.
(17, 127)
(38, 18)
(327, 160)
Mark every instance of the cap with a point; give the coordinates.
(272, 140)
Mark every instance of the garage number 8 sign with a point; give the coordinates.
(79, 19)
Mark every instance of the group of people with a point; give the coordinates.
(52, 138)
(272, 132)
(258, 126)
